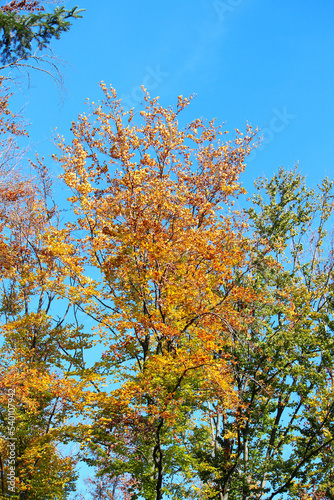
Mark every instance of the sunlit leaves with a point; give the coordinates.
(155, 224)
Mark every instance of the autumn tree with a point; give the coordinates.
(158, 248)
(10, 130)
(38, 350)
(280, 438)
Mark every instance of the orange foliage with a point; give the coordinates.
(34, 373)
(155, 223)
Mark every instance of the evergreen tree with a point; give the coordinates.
(24, 34)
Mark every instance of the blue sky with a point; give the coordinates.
(266, 62)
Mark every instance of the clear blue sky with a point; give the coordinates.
(266, 62)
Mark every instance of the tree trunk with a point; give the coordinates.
(157, 456)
